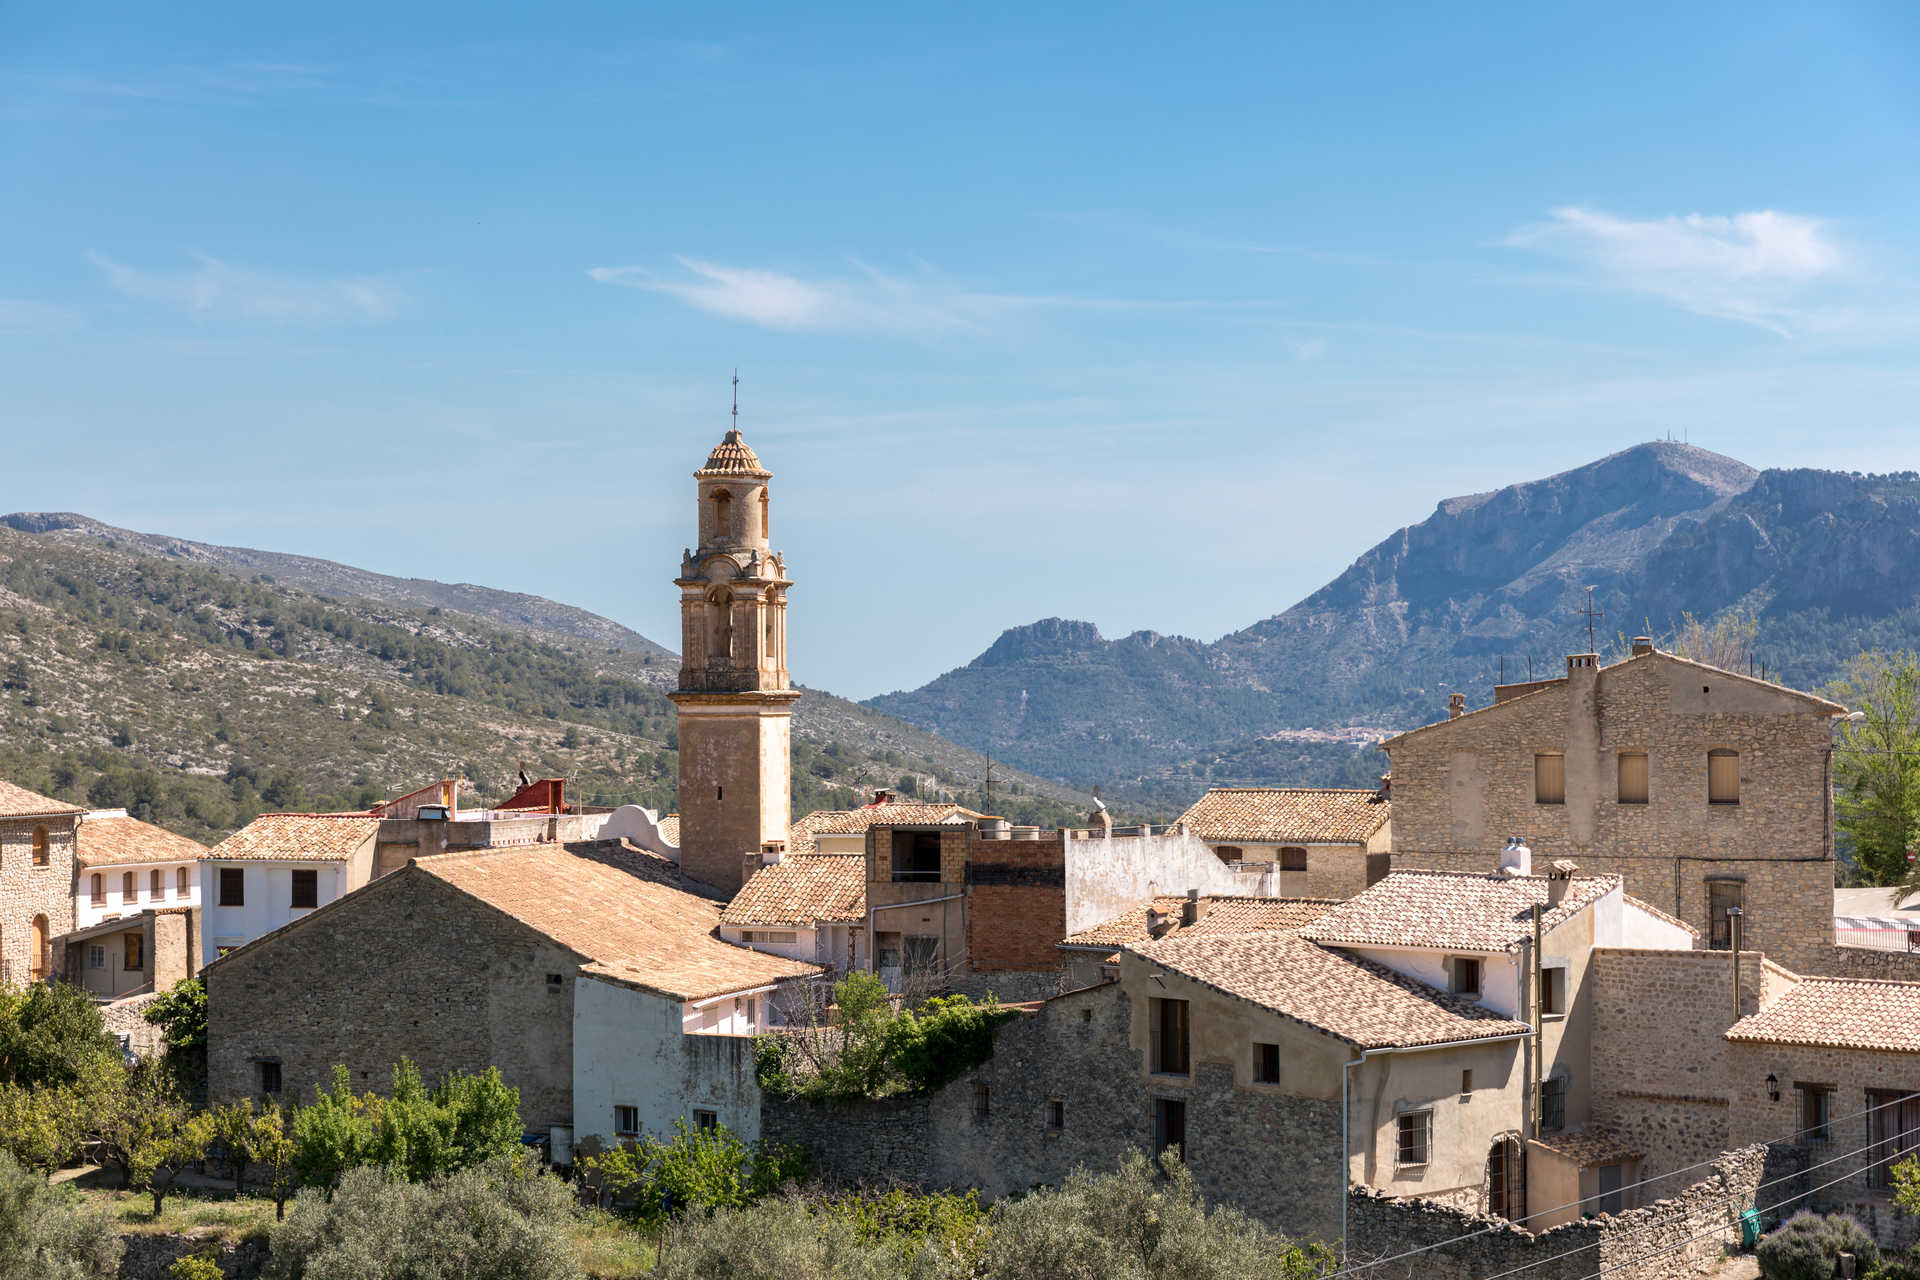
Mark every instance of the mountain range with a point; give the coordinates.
(1490, 585)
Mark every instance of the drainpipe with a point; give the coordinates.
(1536, 1104)
(1733, 920)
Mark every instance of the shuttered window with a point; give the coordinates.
(1549, 779)
(1723, 777)
(1292, 859)
(1633, 777)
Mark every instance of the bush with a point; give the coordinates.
(47, 1233)
(504, 1220)
(196, 1266)
(702, 1169)
(784, 1240)
(948, 1037)
(1806, 1247)
(181, 1015)
(51, 1035)
(871, 1050)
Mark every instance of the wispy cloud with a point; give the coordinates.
(216, 287)
(868, 300)
(1756, 267)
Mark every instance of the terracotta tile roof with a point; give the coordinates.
(1658, 914)
(298, 837)
(1352, 999)
(670, 829)
(733, 457)
(1590, 1147)
(632, 929)
(803, 890)
(1308, 815)
(106, 842)
(18, 802)
(1218, 914)
(848, 822)
(1451, 910)
(1842, 1013)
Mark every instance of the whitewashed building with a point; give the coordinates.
(278, 868)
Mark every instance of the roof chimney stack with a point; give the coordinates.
(1456, 705)
(1642, 646)
(1190, 909)
(1559, 879)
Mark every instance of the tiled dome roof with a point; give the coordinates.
(733, 457)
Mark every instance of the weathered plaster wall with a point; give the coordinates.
(628, 1050)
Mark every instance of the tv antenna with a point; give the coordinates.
(1592, 614)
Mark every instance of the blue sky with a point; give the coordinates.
(1152, 315)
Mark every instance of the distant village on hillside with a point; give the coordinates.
(1569, 992)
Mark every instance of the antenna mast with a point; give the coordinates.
(1591, 615)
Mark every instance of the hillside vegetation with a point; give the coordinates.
(198, 699)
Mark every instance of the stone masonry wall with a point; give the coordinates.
(27, 891)
(406, 966)
(1660, 1073)
(1461, 787)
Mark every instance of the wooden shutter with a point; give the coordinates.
(1633, 777)
(1549, 779)
(1723, 777)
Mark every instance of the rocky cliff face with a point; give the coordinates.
(1829, 561)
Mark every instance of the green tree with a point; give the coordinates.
(1876, 767)
(44, 1128)
(334, 1133)
(465, 1121)
(181, 1014)
(162, 1141)
(235, 1128)
(274, 1150)
(51, 1035)
(49, 1233)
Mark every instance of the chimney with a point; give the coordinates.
(772, 851)
(1190, 909)
(1516, 859)
(882, 796)
(1559, 879)
(1642, 646)
(1456, 705)
(1386, 785)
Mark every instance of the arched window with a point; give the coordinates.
(98, 885)
(764, 502)
(156, 885)
(722, 513)
(39, 846)
(721, 603)
(37, 962)
(1723, 776)
(129, 888)
(180, 882)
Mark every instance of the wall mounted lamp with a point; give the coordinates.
(1773, 1087)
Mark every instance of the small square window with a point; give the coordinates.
(1465, 973)
(1466, 1083)
(1266, 1064)
(1414, 1135)
(1056, 1115)
(705, 1121)
(626, 1122)
(306, 888)
(554, 981)
(96, 957)
(269, 1077)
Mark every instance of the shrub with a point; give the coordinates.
(196, 1266)
(181, 1015)
(504, 1220)
(465, 1121)
(870, 1050)
(334, 1133)
(781, 1239)
(701, 1169)
(948, 1037)
(1806, 1247)
(47, 1233)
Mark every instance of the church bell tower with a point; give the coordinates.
(735, 700)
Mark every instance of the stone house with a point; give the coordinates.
(126, 866)
(1703, 789)
(37, 837)
(277, 869)
(806, 906)
(845, 830)
(583, 972)
(1322, 842)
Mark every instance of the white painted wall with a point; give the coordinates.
(1499, 973)
(629, 1050)
(824, 944)
(269, 899)
(86, 914)
(1109, 877)
(1642, 929)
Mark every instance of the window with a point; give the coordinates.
(922, 953)
(1609, 1186)
(96, 957)
(1722, 897)
(1293, 859)
(1553, 991)
(233, 887)
(1169, 1036)
(1507, 1180)
(98, 884)
(306, 888)
(763, 514)
(1464, 973)
(626, 1122)
(1466, 1083)
(767, 935)
(129, 888)
(1633, 777)
(1415, 1131)
(1553, 1103)
(705, 1121)
(1549, 779)
(1170, 1126)
(180, 884)
(1816, 1109)
(37, 935)
(1266, 1064)
(1229, 853)
(982, 1100)
(156, 885)
(553, 981)
(1893, 1127)
(1723, 776)
(916, 856)
(136, 953)
(269, 1077)
(40, 853)
(1056, 1114)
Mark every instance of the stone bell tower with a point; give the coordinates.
(736, 705)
